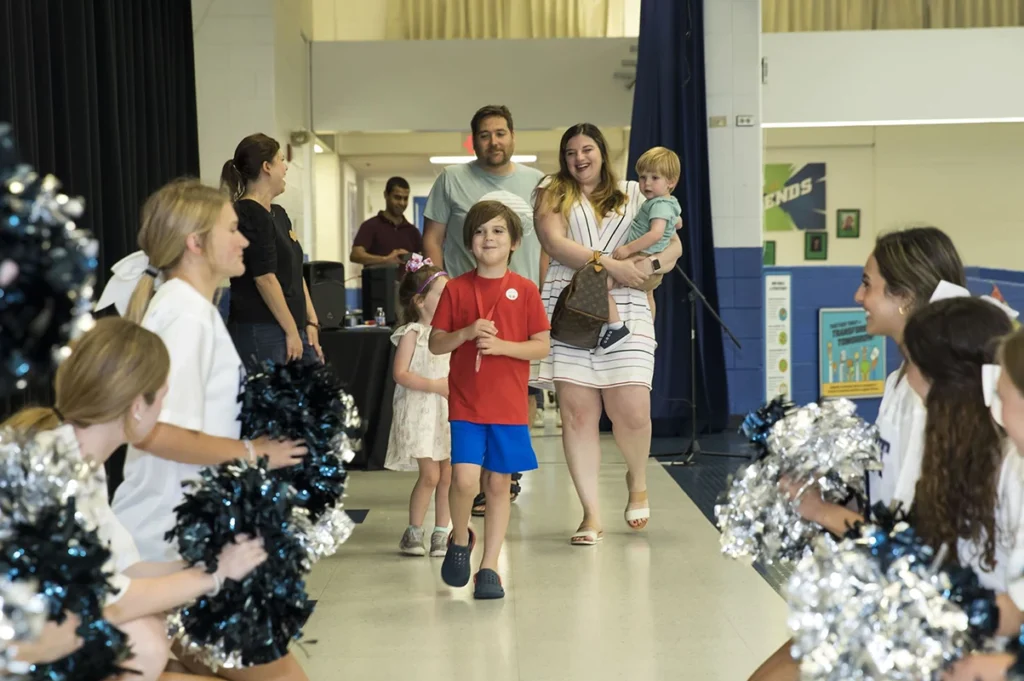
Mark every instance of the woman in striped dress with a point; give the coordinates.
(579, 210)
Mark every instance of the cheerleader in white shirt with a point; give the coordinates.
(190, 241)
(109, 392)
(900, 276)
(1004, 388)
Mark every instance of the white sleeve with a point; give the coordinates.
(1013, 490)
(190, 342)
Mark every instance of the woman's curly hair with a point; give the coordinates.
(955, 498)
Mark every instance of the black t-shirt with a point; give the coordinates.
(273, 247)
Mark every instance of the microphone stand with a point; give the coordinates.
(689, 457)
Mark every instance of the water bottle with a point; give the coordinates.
(381, 317)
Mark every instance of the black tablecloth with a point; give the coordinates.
(362, 359)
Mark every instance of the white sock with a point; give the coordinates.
(615, 325)
(438, 528)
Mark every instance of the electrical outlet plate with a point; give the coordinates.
(718, 122)
(744, 121)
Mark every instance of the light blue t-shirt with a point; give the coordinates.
(664, 207)
(460, 187)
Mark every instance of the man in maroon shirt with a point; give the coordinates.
(387, 236)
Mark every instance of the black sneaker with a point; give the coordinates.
(612, 338)
(488, 585)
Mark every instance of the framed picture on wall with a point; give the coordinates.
(848, 223)
(815, 245)
(769, 254)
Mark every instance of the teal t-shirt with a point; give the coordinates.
(461, 186)
(664, 207)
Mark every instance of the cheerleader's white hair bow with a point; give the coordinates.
(946, 290)
(125, 276)
(989, 380)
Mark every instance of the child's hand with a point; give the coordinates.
(441, 387)
(621, 253)
(490, 345)
(481, 328)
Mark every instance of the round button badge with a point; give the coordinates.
(511, 294)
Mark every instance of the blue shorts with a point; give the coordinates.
(499, 449)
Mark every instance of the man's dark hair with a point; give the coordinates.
(491, 111)
(393, 182)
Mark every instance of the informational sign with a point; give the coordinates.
(778, 336)
(851, 361)
(794, 197)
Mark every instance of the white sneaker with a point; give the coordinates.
(538, 418)
(558, 418)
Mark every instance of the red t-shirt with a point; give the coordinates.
(496, 395)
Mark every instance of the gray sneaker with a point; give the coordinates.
(438, 544)
(412, 542)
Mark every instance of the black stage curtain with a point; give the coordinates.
(669, 110)
(102, 94)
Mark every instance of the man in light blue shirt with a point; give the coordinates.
(491, 177)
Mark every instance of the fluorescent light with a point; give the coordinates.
(318, 149)
(881, 124)
(453, 160)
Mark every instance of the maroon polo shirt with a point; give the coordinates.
(380, 236)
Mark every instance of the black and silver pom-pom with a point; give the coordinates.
(253, 621)
(47, 269)
(301, 401)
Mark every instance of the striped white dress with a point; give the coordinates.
(632, 363)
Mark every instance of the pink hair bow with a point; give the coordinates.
(417, 261)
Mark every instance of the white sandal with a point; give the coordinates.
(586, 537)
(633, 515)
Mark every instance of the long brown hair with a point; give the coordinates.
(170, 215)
(110, 366)
(949, 341)
(246, 165)
(913, 261)
(1011, 357)
(562, 190)
(413, 289)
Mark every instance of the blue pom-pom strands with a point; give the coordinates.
(47, 269)
(253, 621)
(22, 615)
(758, 424)
(879, 604)
(46, 543)
(298, 401)
(826, 445)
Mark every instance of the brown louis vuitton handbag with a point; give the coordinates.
(582, 307)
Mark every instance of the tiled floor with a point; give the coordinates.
(663, 604)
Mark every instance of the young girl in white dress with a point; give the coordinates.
(420, 434)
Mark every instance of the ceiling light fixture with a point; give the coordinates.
(454, 160)
(318, 149)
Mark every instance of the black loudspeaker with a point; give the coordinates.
(326, 282)
(380, 289)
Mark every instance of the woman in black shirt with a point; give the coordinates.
(271, 315)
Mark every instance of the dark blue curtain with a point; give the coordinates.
(669, 110)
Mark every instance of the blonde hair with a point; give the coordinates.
(1011, 356)
(662, 161)
(110, 366)
(562, 191)
(170, 215)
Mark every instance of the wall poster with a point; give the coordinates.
(778, 336)
(794, 197)
(852, 362)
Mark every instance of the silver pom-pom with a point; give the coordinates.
(825, 445)
(330, 532)
(853, 618)
(22, 616)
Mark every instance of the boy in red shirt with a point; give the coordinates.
(493, 322)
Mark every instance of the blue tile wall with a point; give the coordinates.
(741, 296)
(741, 303)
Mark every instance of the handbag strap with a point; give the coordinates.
(595, 259)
